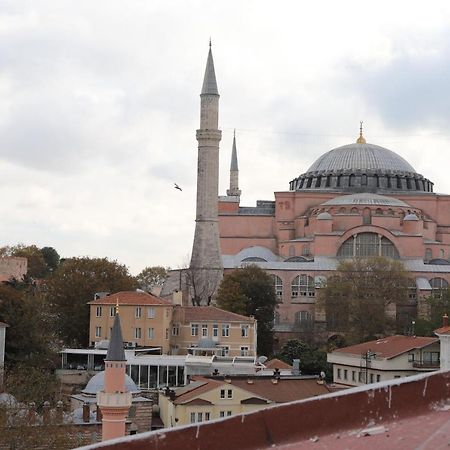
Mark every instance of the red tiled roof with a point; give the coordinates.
(285, 390)
(209, 313)
(277, 364)
(130, 298)
(443, 330)
(389, 347)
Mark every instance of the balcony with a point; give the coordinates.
(426, 365)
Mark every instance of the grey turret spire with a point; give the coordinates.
(205, 270)
(234, 190)
(209, 81)
(115, 349)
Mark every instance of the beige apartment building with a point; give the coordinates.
(217, 397)
(150, 321)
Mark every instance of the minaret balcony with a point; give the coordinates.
(114, 400)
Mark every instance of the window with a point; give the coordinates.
(412, 289)
(345, 374)
(222, 414)
(194, 329)
(303, 285)
(137, 333)
(230, 393)
(204, 330)
(428, 254)
(215, 330)
(278, 284)
(364, 245)
(222, 393)
(98, 331)
(112, 311)
(98, 311)
(225, 350)
(411, 357)
(244, 351)
(199, 417)
(378, 377)
(225, 330)
(138, 312)
(207, 416)
(438, 285)
(167, 334)
(371, 377)
(176, 329)
(244, 331)
(229, 413)
(360, 377)
(353, 375)
(304, 320)
(151, 333)
(192, 417)
(339, 373)
(151, 313)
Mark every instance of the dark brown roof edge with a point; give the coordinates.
(323, 415)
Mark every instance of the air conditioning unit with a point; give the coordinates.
(129, 344)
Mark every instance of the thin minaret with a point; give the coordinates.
(205, 270)
(114, 401)
(234, 190)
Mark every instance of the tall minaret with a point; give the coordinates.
(113, 401)
(234, 190)
(205, 271)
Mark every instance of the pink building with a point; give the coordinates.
(356, 200)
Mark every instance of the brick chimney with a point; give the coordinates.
(445, 320)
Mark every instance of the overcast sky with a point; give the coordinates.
(99, 103)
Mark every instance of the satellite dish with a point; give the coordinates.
(262, 359)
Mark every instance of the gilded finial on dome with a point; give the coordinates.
(361, 139)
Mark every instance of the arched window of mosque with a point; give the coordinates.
(351, 180)
(364, 245)
(342, 210)
(399, 183)
(254, 259)
(308, 184)
(364, 180)
(428, 254)
(297, 259)
(412, 289)
(442, 253)
(303, 286)
(391, 212)
(354, 211)
(305, 250)
(438, 286)
(328, 182)
(318, 181)
(291, 250)
(377, 181)
(367, 216)
(379, 212)
(278, 284)
(408, 183)
(304, 319)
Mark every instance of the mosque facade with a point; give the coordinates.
(358, 200)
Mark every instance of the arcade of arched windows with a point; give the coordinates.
(438, 285)
(278, 285)
(364, 245)
(303, 286)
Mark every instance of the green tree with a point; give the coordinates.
(312, 359)
(250, 292)
(29, 335)
(37, 268)
(153, 276)
(362, 298)
(51, 258)
(73, 284)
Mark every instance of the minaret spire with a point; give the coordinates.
(361, 139)
(205, 270)
(234, 190)
(114, 401)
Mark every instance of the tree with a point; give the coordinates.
(312, 359)
(51, 258)
(361, 299)
(29, 335)
(73, 285)
(37, 267)
(250, 292)
(151, 277)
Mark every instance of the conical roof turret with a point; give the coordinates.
(209, 81)
(115, 349)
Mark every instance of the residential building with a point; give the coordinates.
(149, 321)
(384, 359)
(443, 333)
(210, 398)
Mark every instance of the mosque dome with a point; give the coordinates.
(366, 199)
(97, 383)
(324, 216)
(361, 167)
(410, 218)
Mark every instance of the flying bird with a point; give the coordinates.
(177, 187)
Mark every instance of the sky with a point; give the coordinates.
(99, 103)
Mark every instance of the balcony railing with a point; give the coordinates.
(426, 364)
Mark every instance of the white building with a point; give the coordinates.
(443, 334)
(384, 359)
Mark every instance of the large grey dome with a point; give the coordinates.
(361, 157)
(361, 167)
(97, 383)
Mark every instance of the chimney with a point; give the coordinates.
(296, 367)
(86, 413)
(445, 320)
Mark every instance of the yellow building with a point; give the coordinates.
(216, 397)
(150, 321)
